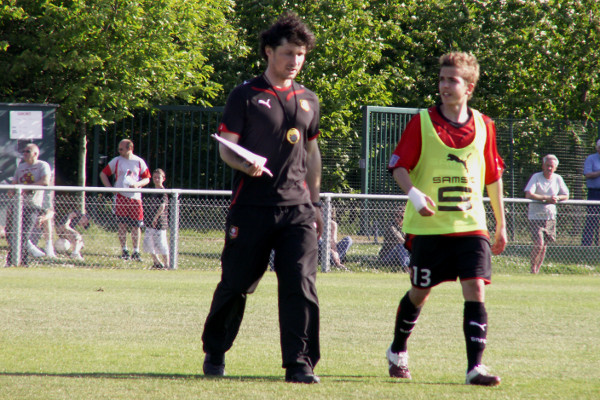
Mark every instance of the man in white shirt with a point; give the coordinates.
(547, 188)
(130, 171)
(30, 171)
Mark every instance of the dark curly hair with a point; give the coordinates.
(289, 26)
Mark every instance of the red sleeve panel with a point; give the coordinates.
(408, 150)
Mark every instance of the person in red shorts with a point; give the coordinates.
(446, 156)
(130, 171)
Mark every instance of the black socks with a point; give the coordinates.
(406, 318)
(475, 329)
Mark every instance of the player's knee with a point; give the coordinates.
(418, 296)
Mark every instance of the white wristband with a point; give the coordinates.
(417, 198)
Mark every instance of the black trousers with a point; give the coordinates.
(251, 233)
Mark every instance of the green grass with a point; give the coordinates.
(201, 249)
(135, 334)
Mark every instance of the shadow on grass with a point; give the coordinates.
(134, 375)
(240, 378)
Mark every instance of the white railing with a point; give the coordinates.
(197, 220)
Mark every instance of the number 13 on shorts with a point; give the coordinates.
(421, 277)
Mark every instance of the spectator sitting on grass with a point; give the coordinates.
(393, 253)
(66, 229)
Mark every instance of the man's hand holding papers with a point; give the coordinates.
(250, 157)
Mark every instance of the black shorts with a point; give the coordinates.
(436, 259)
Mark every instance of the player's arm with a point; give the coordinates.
(141, 183)
(494, 191)
(159, 212)
(334, 233)
(397, 234)
(43, 181)
(104, 179)
(420, 200)
(546, 198)
(531, 195)
(335, 255)
(235, 161)
(592, 175)
(144, 176)
(588, 169)
(46, 216)
(563, 191)
(69, 219)
(313, 178)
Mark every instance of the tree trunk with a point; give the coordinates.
(81, 171)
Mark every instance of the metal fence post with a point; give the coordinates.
(17, 227)
(511, 228)
(366, 147)
(174, 230)
(326, 243)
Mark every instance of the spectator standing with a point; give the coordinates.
(44, 227)
(591, 171)
(446, 156)
(277, 118)
(548, 189)
(30, 171)
(130, 171)
(156, 217)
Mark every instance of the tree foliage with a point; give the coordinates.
(99, 59)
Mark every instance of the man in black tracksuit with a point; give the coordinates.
(277, 118)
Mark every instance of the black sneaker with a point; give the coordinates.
(125, 255)
(136, 256)
(300, 375)
(211, 369)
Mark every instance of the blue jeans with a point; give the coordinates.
(396, 256)
(342, 248)
(592, 220)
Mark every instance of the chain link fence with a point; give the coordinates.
(367, 225)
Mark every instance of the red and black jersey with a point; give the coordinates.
(458, 136)
(408, 150)
(276, 124)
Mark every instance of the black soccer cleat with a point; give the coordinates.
(211, 369)
(302, 377)
(301, 374)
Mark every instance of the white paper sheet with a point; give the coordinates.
(245, 154)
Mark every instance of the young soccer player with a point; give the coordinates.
(445, 157)
(157, 222)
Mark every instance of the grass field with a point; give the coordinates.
(75, 333)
